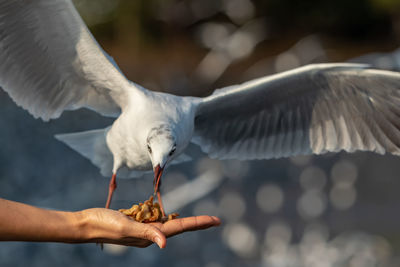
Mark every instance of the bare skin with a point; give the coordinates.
(21, 222)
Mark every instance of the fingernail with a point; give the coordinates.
(158, 241)
(217, 220)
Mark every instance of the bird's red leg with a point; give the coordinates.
(160, 202)
(111, 188)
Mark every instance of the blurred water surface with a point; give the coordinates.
(333, 210)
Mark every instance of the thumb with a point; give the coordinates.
(153, 234)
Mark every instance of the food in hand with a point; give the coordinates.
(147, 212)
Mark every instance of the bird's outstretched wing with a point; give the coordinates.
(312, 109)
(49, 61)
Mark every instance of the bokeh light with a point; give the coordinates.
(232, 206)
(313, 178)
(344, 173)
(311, 204)
(241, 239)
(342, 197)
(334, 210)
(269, 198)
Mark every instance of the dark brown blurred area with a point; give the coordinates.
(160, 44)
(335, 210)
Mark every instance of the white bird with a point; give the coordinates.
(49, 62)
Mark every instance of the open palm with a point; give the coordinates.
(109, 226)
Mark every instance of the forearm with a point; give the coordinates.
(21, 222)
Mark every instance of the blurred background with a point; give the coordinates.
(332, 210)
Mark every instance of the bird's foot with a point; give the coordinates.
(161, 204)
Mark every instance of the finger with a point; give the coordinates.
(151, 233)
(217, 220)
(181, 225)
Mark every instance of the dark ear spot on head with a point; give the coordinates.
(172, 150)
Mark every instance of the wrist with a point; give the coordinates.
(91, 227)
(80, 224)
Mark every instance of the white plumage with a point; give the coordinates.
(50, 63)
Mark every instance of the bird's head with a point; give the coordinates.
(161, 147)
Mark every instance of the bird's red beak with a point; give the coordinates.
(157, 177)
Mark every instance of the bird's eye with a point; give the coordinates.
(172, 151)
(149, 148)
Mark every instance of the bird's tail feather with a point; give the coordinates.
(92, 145)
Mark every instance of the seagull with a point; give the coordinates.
(50, 62)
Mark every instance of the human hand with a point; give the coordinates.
(110, 226)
